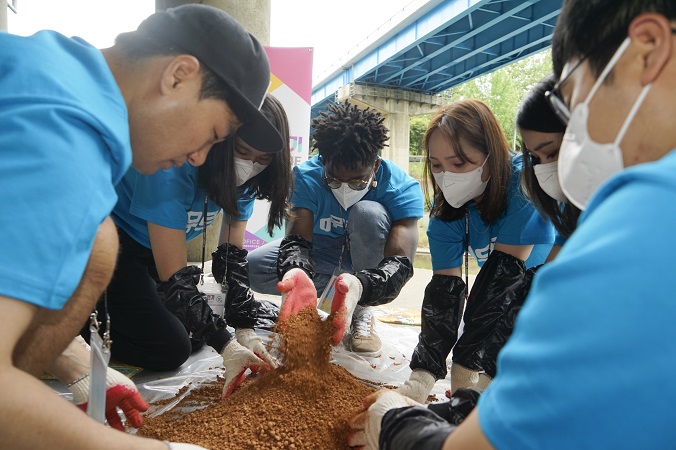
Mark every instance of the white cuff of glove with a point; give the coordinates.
(418, 386)
(461, 377)
(180, 446)
(80, 389)
(386, 401)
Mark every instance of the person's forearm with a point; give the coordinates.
(33, 416)
(72, 363)
(468, 436)
(402, 239)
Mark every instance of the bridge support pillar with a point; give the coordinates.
(397, 105)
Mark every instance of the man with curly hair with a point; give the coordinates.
(354, 213)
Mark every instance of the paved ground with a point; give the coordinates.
(411, 295)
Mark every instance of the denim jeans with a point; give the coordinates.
(368, 226)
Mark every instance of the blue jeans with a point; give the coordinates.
(368, 226)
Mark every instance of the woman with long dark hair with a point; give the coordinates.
(541, 135)
(158, 315)
(477, 208)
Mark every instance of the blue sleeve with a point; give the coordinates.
(594, 330)
(447, 243)
(164, 197)
(245, 206)
(522, 224)
(57, 188)
(560, 239)
(304, 196)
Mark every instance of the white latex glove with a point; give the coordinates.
(249, 339)
(418, 386)
(348, 292)
(179, 446)
(121, 393)
(237, 359)
(366, 425)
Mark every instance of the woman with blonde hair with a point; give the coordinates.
(477, 208)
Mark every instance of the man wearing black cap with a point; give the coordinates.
(73, 119)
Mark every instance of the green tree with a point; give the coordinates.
(418, 127)
(505, 89)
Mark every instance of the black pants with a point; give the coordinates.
(144, 333)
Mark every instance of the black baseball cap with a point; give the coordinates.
(232, 53)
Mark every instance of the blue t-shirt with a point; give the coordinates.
(590, 361)
(64, 141)
(521, 224)
(169, 198)
(396, 191)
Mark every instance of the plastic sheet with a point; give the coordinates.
(389, 369)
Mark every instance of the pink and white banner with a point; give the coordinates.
(291, 84)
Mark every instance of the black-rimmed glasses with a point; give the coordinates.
(554, 97)
(356, 185)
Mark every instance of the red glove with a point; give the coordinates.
(298, 292)
(348, 292)
(121, 393)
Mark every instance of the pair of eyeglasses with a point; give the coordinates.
(555, 98)
(356, 185)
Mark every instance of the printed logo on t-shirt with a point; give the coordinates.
(481, 254)
(332, 221)
(195, 221)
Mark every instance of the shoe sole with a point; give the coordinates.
(367, 354)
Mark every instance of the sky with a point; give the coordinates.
(332, 28)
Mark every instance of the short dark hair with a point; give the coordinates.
(137, 46)
(535, 114)
(348, 136)
(596, 28)
(217, 175)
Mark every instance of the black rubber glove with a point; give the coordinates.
(456, 410)
(383, 284)
(295, 252)
(489, 317)
(182, 298)
(242, 310)
(413, 428)
(441, 313)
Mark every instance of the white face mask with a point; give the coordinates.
(548, 179)
(247, 169)
(347, 196)
(584, 164)
(459, 188)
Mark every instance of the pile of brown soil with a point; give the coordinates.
(304, 404)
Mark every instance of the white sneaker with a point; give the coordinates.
(363, 338)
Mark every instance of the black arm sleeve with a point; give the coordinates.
(456, 410)
(441, 313)
(242, 310)
(413, 428)
(182, 298)
(495, 299)
(383, 284)
(295, 252)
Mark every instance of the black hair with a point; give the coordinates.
(137, 46)
(348, 136)
(218, 176)
(535, 114)
(596, 28)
